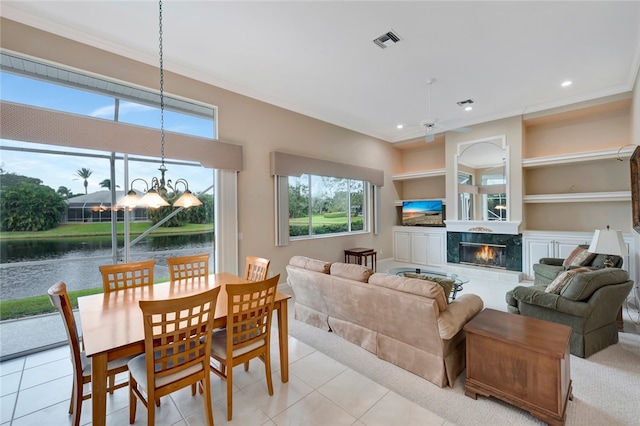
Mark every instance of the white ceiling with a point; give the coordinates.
(318, 57)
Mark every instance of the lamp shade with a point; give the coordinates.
(606, 241)
(186, 200)
(153, 200)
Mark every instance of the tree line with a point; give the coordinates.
(26, 205)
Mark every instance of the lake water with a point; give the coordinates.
(75, 261)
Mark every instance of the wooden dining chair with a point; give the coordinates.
(248, 331)
(188, 266)
(127, 275)
(256, 268)
(177, 344)
(81, 363)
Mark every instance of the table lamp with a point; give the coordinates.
(609, 243)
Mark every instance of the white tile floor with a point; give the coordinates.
(35, 390)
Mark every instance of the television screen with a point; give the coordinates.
(422, 213)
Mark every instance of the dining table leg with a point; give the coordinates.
(99, 388)
(283, 340)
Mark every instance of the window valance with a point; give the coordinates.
(31, 124)
(283, 164)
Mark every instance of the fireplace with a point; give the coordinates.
(484, 255)
(506, 248)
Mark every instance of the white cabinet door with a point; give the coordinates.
(419, 248)
(435, 249)
(402, 246)
(549, 245)
(564, 247)
(535, 249)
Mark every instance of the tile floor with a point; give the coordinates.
(35, 390)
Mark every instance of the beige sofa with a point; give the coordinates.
(405, 321)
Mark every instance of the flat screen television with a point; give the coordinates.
(422, 213)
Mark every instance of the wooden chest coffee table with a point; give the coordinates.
(520, 360)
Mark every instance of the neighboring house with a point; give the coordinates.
(96, 207)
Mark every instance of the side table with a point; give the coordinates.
(361, 254)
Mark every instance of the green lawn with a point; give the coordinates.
(317, 220)
(100, 229)
(38, 305)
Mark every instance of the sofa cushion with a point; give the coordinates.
(351, 271)
(415, 286)
(563, 279)
(310, 264)
(446, 283)
(580, 256)
(582, 286)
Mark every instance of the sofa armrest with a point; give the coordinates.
(536, 296)
(551, 261)
(457, 314)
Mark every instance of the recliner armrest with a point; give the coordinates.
(538, 297)
(551, 261)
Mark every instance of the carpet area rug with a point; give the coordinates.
(606, 386)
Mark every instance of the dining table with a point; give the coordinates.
(112, 326)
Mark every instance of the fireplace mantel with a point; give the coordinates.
(485, 227)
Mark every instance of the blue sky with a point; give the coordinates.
(59, 170)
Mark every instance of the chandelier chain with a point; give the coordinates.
(161, 89)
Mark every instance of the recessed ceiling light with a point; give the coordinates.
(566, 83)
(468, 108)
(400, 126)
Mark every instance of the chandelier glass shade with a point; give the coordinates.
(157, 192)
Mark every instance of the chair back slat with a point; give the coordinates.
(256, 268)
(250, 308)
(185, 267)
(178, 332)
(122, 276)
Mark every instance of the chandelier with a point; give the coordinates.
(156, 193)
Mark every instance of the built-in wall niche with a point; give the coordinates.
(608, 175)
(577, 216)
(415, 189)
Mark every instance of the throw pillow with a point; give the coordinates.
(563, 279)
(445, 283)
(578, 257)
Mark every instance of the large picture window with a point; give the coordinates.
(86, 184)
(321, 205)
(318, 198)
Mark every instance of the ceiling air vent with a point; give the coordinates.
(388, 39)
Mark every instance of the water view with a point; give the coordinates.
(29, 267)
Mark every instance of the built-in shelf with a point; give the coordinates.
(418, 175)
(583, 197)
(576, 157)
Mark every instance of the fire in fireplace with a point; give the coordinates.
(485, 255)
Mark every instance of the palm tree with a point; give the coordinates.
(64, 191)
(84, 174)
(107, 184)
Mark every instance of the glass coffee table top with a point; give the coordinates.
(458, 280)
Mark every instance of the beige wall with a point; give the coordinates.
(259, 127)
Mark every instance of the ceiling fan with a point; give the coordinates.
(431, 124)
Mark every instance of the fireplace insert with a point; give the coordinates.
(485, 255)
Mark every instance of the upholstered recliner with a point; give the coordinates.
(588, 303)
(548, 268)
